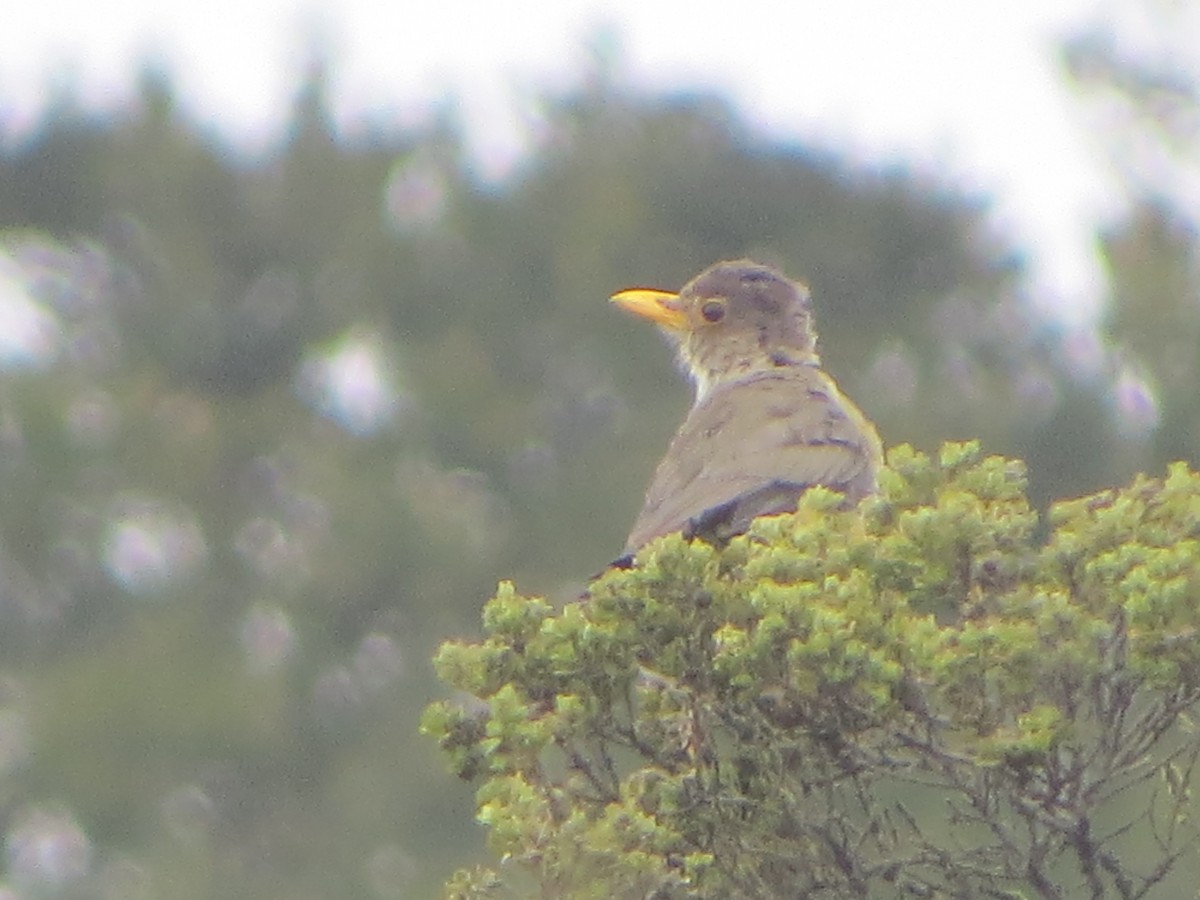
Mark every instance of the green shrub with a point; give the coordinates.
(937, 693)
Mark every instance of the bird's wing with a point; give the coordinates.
(750, 448)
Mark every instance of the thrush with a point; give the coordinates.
(767, 423)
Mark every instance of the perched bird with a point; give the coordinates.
(766, 424)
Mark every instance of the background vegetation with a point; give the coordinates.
(270, 430)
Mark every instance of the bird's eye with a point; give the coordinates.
(713, 311)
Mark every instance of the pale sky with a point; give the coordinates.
(971, 88)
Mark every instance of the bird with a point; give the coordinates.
(767, 422)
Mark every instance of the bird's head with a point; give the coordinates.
(732, 321)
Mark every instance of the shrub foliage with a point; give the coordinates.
(938, 693)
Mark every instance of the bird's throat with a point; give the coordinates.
(712, 367)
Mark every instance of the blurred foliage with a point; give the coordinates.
(271, 427)
(1142, 86)
(914, 698)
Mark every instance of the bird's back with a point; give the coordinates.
(751, 447)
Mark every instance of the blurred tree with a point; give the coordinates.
(1139, 75)
(271, 426)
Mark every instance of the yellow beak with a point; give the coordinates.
(660, 307)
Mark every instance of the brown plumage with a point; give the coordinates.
(767, 423)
